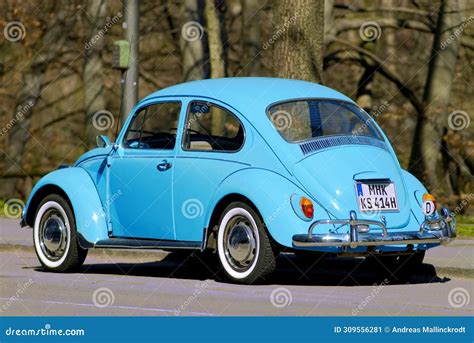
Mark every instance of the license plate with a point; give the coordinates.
(376, 196)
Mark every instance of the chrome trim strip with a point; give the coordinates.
(130, 243)
(374, 243)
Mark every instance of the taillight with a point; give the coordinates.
(307, 207)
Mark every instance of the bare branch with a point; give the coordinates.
(150, 79)
(387, 73)
(358, 9)
(355, 24)
(59, 99)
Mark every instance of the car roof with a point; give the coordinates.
(244, 93)
(251, 96)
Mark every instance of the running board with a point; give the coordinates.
(130, 243)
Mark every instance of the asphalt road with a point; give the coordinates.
(157, 283)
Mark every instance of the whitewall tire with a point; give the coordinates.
(54, 236)
(243, 246)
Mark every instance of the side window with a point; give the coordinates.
(154, 127)
(212, 128)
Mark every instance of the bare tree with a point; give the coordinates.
(192, 41)
(251, 38)
(298, 31)
(216, 50)
(216, 53)
(427, 153)
(46, 49)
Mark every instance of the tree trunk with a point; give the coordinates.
(215, 40)
(298, 34)
(329, 17)
(427, 156)
(192, 41)
(94, 99)
(251, 43)
(216, 55)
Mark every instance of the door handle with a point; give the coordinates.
(164, 165)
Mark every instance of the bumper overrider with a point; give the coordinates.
(439, 230)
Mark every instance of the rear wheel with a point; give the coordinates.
(243, 246)
(54, 236)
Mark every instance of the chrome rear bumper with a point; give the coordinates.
(439, 230)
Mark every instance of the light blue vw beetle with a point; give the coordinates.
(247, 168)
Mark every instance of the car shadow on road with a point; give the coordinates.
(346, 271)
(291, 271)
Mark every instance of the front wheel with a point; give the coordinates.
(54, 236)
(243, 246)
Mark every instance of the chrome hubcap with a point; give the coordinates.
(240, 243)
(53, 235)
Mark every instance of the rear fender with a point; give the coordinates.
(415, 190)
(271, 194)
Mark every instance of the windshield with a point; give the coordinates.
(305, 119)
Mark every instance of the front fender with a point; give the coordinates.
(271, 193)
(82, 194)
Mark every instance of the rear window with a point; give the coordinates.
(305, 119)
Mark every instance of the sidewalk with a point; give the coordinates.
(456, 256)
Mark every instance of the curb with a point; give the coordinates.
(157, 254)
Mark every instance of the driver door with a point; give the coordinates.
(141, 175)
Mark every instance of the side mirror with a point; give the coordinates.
(102, 141)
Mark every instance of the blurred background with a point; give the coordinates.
(408, 63)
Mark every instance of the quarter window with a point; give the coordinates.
(154, 127)
(211, 128)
